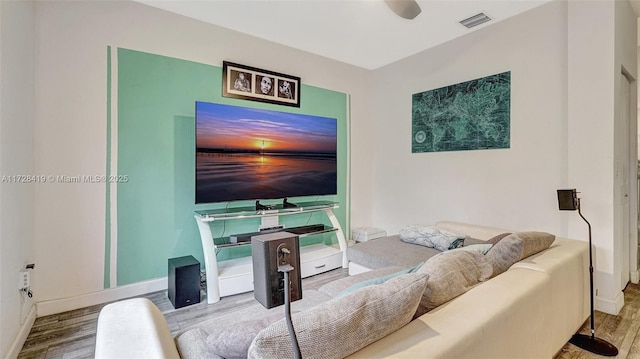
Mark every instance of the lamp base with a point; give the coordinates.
(594, 345)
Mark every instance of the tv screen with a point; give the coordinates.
(252, 154)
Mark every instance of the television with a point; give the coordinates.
(253, 154)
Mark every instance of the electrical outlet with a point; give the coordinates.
(24, 280)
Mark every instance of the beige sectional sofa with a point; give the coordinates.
(529, 311)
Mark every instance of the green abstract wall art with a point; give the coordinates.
(470, 115)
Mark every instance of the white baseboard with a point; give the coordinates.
(634, 277)
(17, 344)
(104, 296)
(610, 306)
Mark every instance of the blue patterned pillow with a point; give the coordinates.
(430, 236)
(458, 243)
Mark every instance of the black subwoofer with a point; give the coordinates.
(184, 281)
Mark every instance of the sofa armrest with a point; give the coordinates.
(133, 328)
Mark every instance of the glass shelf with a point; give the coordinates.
(315, 258)
(290, 230)
(225, 214)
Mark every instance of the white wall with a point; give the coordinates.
(511, 188)
(591, 123)
(70, 126)
(16, 158)
(562, 109)
(597, 52)
(626, 69)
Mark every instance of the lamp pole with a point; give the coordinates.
(593, 331)
(588, 342)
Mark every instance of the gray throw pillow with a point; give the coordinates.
(340, 327)
(480, 248)
(534, 242)
(233, 341)
(505, 253)
(497, 238)
(451, 274)
(516, 247)
(192, 344)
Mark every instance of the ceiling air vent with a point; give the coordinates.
(475, 20)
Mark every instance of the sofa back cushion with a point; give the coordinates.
(340, 327)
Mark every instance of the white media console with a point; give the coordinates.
(235, 276)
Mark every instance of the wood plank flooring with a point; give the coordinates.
(622, 330)
(71, 335)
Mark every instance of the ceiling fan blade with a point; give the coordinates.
(407, 9)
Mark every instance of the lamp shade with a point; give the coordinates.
(567, 199)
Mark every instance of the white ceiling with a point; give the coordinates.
(364, 33)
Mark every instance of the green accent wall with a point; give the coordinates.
(156, 151)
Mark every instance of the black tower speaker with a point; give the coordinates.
(184, 281)
(267, 254)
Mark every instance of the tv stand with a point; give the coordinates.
(235, 276)
(287, 204)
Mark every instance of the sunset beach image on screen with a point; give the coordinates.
(251, 154)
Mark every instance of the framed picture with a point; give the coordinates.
(472, 115)
(250, 83)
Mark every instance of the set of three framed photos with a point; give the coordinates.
(250, 83)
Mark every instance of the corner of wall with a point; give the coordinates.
(23, 333)
(610, 306)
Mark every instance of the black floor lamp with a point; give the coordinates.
(568, 201)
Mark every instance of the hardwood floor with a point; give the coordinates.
(622, 330)
(71, 334)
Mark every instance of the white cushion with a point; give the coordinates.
(133, 328)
